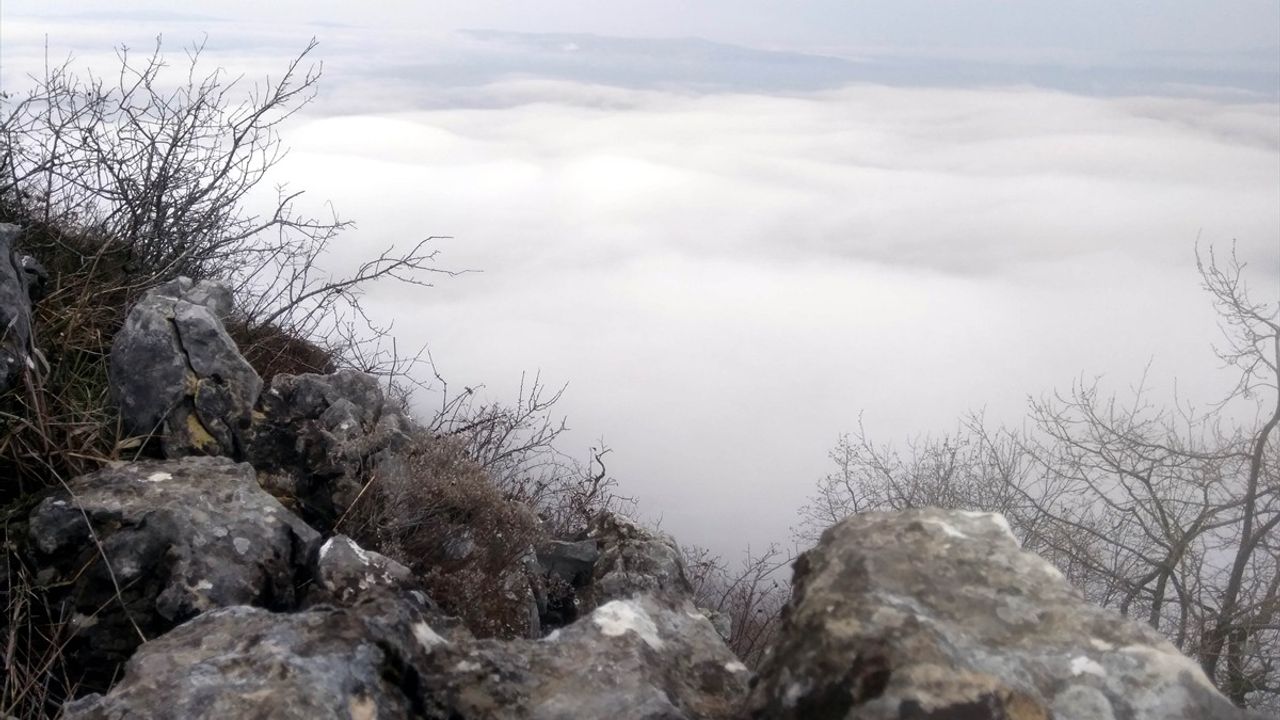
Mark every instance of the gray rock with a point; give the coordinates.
(939, 614)
(178, 376)
(318, 435)
(645, 657)
(633, 560)
(245, 662)
(15, 310)
(573, 562)
(182, 537)
(346, 573)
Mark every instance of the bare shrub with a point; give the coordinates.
(435, 510)
(750, 595)
(1165, 513)
(130, 179)
(516, 444)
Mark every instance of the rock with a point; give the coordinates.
(15, 310)
(345, 573)
(182, 537)
(939, 614)
(245, 662)
(318, 435)
(631, 659)
(177, 375)
(646, 657)
(633, 560)
(573, 562)
(561, 571)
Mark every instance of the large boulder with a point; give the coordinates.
(177, 376)
(134, 550)
(939, 614)
(15, 309)
(317, 437)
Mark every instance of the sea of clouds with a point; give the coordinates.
(730, 255)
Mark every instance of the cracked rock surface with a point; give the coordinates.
(316, 436)
(178, 376)
(183, 537)
(939, 614)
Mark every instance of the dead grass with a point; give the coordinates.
(437, 512)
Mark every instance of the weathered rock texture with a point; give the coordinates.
(178, 376)
(182, 536)
(15, 310)
(632, 560)
(345, 573)
(244, 662)
(317, 436)
(644, 657)
(937, 614)
(373, 646)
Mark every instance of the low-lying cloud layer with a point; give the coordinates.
(727, 280)
(727, 277)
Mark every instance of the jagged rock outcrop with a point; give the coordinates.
(633, 560)
(15, 307)
(629, 660)
(939, 614)
(373, 646)
(645, 657)
(181, 536)
(317, 436)
(176, 374)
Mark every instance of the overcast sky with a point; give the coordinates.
(732, 227)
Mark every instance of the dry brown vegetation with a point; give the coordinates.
(435, 510)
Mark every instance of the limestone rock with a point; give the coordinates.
(316, 434)
(632, 560)
(178, 376)
(246, 662)
(645, 657)
(15, 310)
(182, 537)
(939, 614)
(346, 573)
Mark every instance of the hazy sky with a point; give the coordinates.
(1083, 26)
(733, 227)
